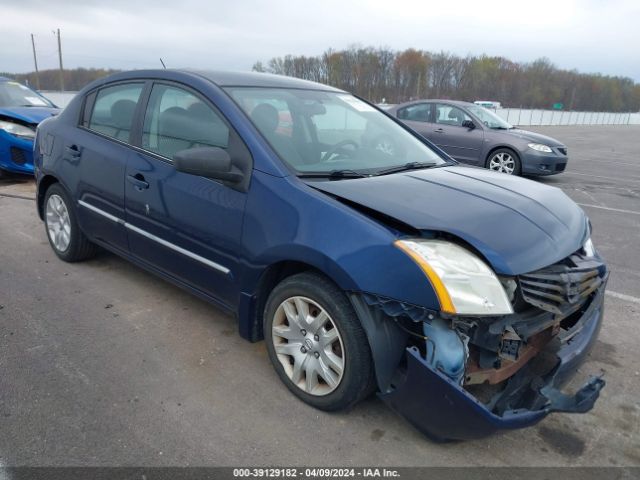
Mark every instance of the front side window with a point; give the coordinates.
(317, 132)
(450, 115)
(113, 110)
(489, 118)
(179, 120)
(416, 113)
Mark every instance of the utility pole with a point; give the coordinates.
(35, 61)
(60, 59)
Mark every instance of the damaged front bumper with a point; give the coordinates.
(441, 408)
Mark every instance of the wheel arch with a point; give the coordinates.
(43, 185)
(501, 147)
(250, 311)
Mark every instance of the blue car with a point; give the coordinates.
(21, 110)
(365, 257)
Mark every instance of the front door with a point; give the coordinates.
(186, 225)
(462, 143)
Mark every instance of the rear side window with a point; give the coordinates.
(114, 109)
(417, 113)
(176, 120)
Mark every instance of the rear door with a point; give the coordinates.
(419, 117)
(185, 225)
(462, 143)
(98, 152)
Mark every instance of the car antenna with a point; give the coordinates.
(163, 65)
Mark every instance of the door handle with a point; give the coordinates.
(439, 130)
(138, 181)
(72, 151)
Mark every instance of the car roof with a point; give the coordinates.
(259, 79)
(230, 78)
(433, 100)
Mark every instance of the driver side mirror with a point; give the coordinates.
(210, 162)
(468, 124)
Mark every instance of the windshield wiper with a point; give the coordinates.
(405, 167)
(334, 174)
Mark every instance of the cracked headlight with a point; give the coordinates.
(464, 284)
(17, 130)
(540, 148)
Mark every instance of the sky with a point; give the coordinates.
(587, 35)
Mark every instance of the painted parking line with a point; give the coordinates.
(619, 210)
(623, 296)
(618, 179)
(600, 162)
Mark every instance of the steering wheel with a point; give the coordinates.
(338, 148)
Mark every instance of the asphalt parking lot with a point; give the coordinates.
(104, 364)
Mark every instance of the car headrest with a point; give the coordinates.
(182, 125)
(455, 115)
(200, 110)
(174, 121)
(122, 113)
(266, 117)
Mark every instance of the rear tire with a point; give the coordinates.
(504, 160)
(316, 343)
(61, 224)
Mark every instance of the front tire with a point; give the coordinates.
(316, 343)
(504, 160)
(64, 234)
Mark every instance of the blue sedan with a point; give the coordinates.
(21, 110)
(365, 257)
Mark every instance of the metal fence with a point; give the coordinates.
(526, 116)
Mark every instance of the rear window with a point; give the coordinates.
(113, 110)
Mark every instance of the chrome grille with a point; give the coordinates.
(562, 287)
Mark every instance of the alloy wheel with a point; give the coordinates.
(502, 162)
(308, 345)
(58, 223)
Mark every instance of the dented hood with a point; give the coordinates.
(32, 115)
(519, 225)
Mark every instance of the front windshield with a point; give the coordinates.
(489, 118)
(318, 132)
(14, 94)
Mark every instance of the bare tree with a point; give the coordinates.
(381, 73)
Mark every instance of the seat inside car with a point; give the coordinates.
(180, 129)
(174, 131)
(417, 114)
(455, 117)
(121, 118)
(267, 119)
